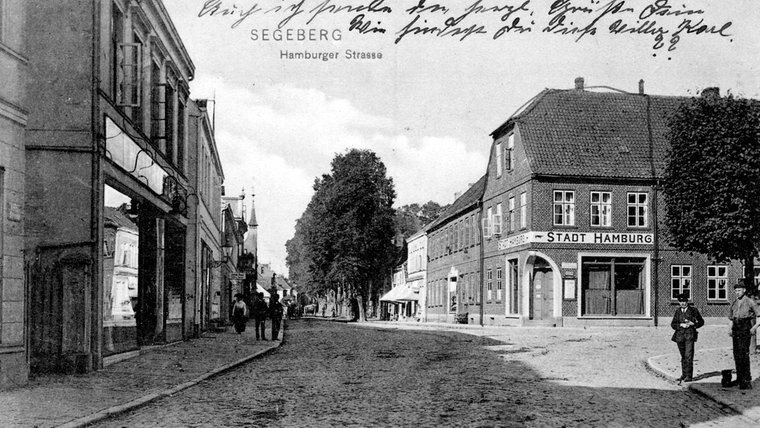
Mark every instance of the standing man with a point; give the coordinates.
(275, 313)
(742, 313)
(685, 322)
(260, 315)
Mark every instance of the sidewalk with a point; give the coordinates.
(78, 400)
(707, 366)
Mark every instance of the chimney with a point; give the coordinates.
(641, 87)
(712, 93)
(579, 83)
(457, 195)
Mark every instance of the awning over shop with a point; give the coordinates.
(401, 293)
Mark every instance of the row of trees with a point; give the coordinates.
(349, 237)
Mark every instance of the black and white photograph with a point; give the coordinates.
(379, 213)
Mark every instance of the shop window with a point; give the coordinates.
(498, 160)
(680, 281)
(613, 286)
(637, 209)
(523, 210)
(499, 280)
(717, 282)
(601, 209)
(564, 208)
(513, 282)
(489, 285)
(509, 158)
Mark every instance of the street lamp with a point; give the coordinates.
(227, 250)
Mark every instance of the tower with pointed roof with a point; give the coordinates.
(251, 239)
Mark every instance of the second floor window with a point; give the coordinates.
(601, 209)
(564, 208)
(637, 209)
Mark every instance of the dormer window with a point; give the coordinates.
(509, 159)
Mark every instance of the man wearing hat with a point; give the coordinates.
(686, 321)
(742, 313)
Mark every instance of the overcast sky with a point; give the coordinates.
(428, 106)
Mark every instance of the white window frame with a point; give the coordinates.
(511, 207)
(489, 285)
(499, 165)
(680, 280)
(523, 210)
(566, 206)
(600, 211)
(509, 153)
(637, 212)
(497, 221)
(717, 283)
(487, 224)
(499, 283)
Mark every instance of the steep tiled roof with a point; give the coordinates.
(114, 217)
(470, 197)
(595, 134)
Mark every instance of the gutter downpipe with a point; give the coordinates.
(655, 214)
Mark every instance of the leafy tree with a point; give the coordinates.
(343, 242)
(712, 180)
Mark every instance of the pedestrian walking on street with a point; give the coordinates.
(275, 313)
(260, 316)
(743, 314)
(686, 321)
(239, 313)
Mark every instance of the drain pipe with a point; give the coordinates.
(655, 213)
(482, 262)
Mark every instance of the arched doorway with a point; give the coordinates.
(541, 291)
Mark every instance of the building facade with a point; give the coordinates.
(453, 291)
(204, 235)
(13, 119)
(573, 213)
(417, 271)
(108, 129)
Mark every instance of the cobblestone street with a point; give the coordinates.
(336, 374)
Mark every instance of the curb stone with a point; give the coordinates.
(142, 401)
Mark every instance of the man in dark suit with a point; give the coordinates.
(685, 322)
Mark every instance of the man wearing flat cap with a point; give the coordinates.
(686, 321)
(742, 313)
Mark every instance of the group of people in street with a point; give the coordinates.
(260, 312)
(742, 315)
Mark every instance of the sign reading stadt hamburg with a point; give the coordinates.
(577, 238)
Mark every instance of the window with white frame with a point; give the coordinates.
(497, 220)
(498, 160)
(680, 281)
(511, 206)
(637, 209)
(717, 282)
(564, 208)
(509, 153)
(523, 210)
(499, 282)
(489, 285)
(601, 209)
(487, 223)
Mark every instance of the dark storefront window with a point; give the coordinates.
(613, 286)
